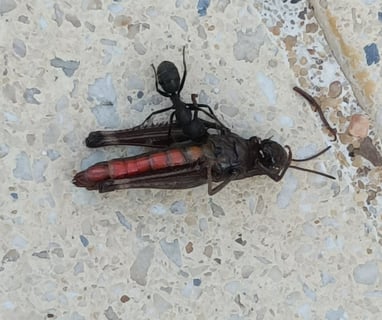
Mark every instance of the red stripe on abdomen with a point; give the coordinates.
(125, 167)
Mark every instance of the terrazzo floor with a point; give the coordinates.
(304, 248)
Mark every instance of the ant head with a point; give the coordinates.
(168, 77)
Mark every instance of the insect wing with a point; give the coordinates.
(156, 136)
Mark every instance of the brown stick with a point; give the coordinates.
(317, 107)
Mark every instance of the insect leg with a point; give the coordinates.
(156, 112)
(170, 125)
(213, 190)
(210, 114)
(197, 107)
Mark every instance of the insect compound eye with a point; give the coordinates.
(271, 155)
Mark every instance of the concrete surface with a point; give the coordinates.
(304, 248)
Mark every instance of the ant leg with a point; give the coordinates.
(196, 107)
(184, 71)
(170, 124)
(193, 98)
(210, 114)
(165, 94)
(156, 112)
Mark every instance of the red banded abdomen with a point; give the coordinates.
(128, 167)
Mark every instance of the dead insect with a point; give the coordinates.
(221, 158)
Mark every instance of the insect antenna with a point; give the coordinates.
(310, 158)
(313, 171)
(313, 156)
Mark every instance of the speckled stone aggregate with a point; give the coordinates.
(304, 248)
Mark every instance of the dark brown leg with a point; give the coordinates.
(213, 190)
